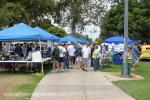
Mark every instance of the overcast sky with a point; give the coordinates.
(92, 31)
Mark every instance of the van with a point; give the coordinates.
(145, 52)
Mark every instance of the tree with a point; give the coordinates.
(11, 13)
(78, 13)
(80, 35)
(38, 9)
(45, 23)
(57, 31)
(139, 20)
(98, 40)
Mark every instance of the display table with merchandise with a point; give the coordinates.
(26, 61)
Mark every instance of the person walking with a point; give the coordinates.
(92, 50)
(62, 52)
(66, 58)
(71, 51)
(55, 57)
(78, 54)
(135, 56)
(85, 57)
(96, 57)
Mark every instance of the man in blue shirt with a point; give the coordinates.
(18, 50)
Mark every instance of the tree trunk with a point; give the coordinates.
(73, 29)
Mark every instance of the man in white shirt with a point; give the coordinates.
(62, 52)
(71, 51)
(85, 57)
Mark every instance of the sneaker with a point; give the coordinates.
(58, 70)
(85, 70)
(53, 71)
(133, 69)
(62, 70)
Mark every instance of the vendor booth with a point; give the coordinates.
(116, 45)
(23, 32)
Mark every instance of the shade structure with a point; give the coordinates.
(69, 38)
(80, 40)
(117, 40)
(83, 40)
(20, 32)
(46, 34)
(73, 39)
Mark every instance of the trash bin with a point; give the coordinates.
(129, 68)
(117, 59)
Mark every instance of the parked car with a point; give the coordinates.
(145, 52)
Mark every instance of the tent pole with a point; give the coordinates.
(42, 71)
(9, 46)
(40, 44)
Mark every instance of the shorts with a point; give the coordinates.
(85, 61)
(61, 59)
(71, 58)
(54, 61)
(135, 60)
(78, 59)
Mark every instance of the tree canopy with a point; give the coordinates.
(13, 11)
(78, 13)
(74, 14)
(139, 20)
(57, 31)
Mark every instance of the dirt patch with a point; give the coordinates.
(7, 82)
(115, 76)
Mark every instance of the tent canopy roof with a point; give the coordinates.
(70, 38)
(45, 33)
(117, 40)
(20, 32)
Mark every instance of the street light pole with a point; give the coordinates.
(125, 56)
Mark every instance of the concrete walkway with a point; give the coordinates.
(78, 85)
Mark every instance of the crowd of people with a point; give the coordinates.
(67, 55)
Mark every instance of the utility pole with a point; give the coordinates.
(125, 55)
(125, 70)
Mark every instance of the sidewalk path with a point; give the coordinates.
(77, 85)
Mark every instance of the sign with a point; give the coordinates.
(37, 56)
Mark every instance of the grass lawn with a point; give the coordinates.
(20, 83)
(26, 87)
(139, 89)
